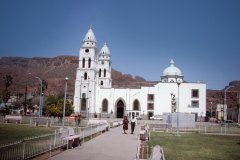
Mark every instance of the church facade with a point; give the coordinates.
(95, 97)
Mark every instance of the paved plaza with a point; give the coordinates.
(112, 145)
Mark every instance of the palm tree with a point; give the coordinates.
(7, 83)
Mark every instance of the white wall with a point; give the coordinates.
(162, 97)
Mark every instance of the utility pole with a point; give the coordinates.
(238, 103)
(25, 101)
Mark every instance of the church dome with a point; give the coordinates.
(105, 50)
(172, 70)
(90, 36)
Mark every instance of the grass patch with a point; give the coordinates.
(14, 132)
(193, 146)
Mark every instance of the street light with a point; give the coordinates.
(178, 83)
(80, 103)
(40, 97)
(211, 108)
(42, 103)
(225, 103)
(64, 104)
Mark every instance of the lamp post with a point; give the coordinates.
(40, 96)
(211, 108)
(178, 83)
(80, 102)
(42, 103)
(64, 104)
(225, 103)
(100, 112)
(238, 103)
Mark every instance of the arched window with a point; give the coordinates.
(136, 105)
(85, 76)
(99, 73)
(89, 63)
(83, 104)
(104, 72)
(105, 105)
(101, 83)
(83, 63)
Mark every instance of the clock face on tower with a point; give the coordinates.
(86, 50)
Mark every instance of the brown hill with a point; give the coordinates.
(53, 70)
(215, 97)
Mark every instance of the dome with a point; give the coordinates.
(172, 70)
(105, 50)
(90, 36)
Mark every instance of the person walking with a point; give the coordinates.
(133, 123)
(79, 119)
(125, 124)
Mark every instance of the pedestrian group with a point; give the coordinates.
(132, 120)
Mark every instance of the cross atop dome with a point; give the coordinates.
(105, 50)
(172, 70)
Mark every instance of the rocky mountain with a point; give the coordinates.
(215, 97)
(53, 70)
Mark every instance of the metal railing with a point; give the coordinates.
(31, 147)
(35, 146)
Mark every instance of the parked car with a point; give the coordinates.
(229, 123)
(156, 117)
(238, 125)
(138, 118)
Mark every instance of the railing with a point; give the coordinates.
(143, 151)
(35, 146)
(211, 128)
(31, 147)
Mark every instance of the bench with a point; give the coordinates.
(115, 123)
(99, 122)
(42, 121)
(157, 153)
(67, 134)
(13, 119)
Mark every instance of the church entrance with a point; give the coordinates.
(120, 109)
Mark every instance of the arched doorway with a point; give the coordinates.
(120, 109)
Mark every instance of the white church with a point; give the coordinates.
(95, 96)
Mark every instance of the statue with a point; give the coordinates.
(173, 102)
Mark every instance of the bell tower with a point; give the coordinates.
(85, 83)
(104, 68)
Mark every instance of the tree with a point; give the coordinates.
(5, 95)
(56, 109)
(51, 100)
(7, 83)
(44, 86)
(4, 111)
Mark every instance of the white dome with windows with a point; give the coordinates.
(105, 50)
(90, 36)
(172, 70)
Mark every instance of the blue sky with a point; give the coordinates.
(202, 37)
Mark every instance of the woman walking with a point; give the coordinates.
(125, 124)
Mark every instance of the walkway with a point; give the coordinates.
(112, 145)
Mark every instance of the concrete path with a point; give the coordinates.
(112, 145)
